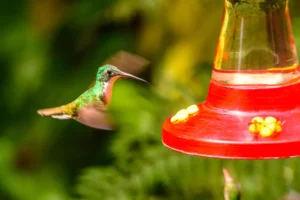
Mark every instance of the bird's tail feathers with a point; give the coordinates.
(61, 112)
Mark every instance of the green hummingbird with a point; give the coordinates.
(90, 108)
(232, 189)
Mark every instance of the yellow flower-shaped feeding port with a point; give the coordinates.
(193, 109)
(184, 114)
(265, 127)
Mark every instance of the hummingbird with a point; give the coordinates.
(232, 189)
(90, 108)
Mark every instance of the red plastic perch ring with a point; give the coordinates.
(220, 128)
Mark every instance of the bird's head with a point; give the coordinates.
(107, 73)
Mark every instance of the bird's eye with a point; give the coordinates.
(109, 72)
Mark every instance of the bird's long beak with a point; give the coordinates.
(126, 75)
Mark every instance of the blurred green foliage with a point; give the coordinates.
(50, 52)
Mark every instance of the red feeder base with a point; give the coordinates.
(220, 128)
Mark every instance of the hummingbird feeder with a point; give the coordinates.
(252, 110)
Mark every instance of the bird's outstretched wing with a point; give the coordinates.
(128, 62)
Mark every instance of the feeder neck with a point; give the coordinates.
(256, 35)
